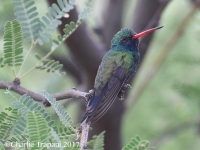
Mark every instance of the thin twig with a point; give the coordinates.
(160, 59)
(73, 93)
(46, 56)
(84, 135)
(14, 73)
(25, 59)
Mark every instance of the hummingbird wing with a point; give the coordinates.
(112, 89)
(113, 72)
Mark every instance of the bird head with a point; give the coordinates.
(127, 39)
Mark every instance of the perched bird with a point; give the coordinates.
(117, 66)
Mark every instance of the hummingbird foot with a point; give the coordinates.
(123, 90)
(127, 86)
(89, 96)
(121, 96)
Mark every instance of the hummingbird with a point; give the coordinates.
(116, 68)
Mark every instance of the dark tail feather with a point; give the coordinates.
(91, 107)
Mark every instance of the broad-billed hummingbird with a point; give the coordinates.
(117, 66)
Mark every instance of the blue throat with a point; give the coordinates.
(131, 47)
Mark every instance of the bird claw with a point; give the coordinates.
(127, 86)
(89, 96)
(121, 93)
(121, 98)
(74, 88)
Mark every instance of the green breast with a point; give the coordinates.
(110, 62)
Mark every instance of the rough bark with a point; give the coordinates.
(112, 20)
(87, 52)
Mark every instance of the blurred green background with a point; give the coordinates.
(168, 111)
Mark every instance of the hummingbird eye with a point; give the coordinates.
(124, 39)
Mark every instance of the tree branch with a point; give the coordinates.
(112, 23)
(73, 93)
(83, 47)
(84, 127)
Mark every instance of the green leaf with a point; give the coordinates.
(137, 144)
(59, 37)
(56, 8)
(13, 44)
(37, 128)
(70, 28)
(27, 15)
(38, 56)
(52, 11)
(51, 19)
(25, 104)
(97, 143)
(51, 65)
(64, 132)
(7, 121)
(137, 138)
(29, 4)
(55, 137)
(60, 110)
(84, 13)
(19, 127)
(72, 24)
(61, 4)
(1, 62)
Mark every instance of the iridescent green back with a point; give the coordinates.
(111, 61)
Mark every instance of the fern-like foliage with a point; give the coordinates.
(19, 138)
(64, 132)
(19, 128)
(84, 14)
(49, 65)
(51, 20)
(1, 62)
(7, 119)
(60, 110)
(35, 29)
(70, 28)
(12, 44)
(11, 123)
(37, 128)
(137, 144)
(30, 122)
(55, 136)
(97, 143)
(26, 104)
(27, 15)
